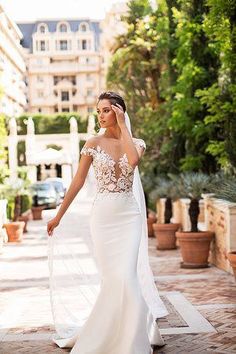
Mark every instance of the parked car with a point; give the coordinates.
(58, 185)
(45, 194)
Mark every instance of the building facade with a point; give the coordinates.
(112, 26)
(64, 65)
(12, 68)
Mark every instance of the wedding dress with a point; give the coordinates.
(119, 320)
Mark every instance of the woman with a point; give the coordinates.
(122, 320)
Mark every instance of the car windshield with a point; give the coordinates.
(42, 187)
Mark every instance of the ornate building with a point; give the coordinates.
(112, 26)
(12, 68)
(64, 65)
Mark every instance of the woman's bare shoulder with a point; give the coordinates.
(93, 141)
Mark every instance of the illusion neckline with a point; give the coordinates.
(106, 153)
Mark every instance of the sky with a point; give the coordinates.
(30, 10)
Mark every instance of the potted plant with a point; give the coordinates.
(165, 232)
(26, 213)
(195, 244)
(14, 227)
(36, 208)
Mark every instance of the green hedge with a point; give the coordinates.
(50, 124)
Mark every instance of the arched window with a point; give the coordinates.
(42, 28)
(63, 27)
(83, 27)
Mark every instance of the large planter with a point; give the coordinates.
(232, 260)
(195, 247)
(37, 212)
(220, 218)
(14, 231)
(165, 235)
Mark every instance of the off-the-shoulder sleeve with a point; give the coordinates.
(87, 151)
(140, 143)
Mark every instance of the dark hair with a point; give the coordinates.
(113, 97)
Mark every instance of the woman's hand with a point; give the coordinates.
(120, 116)
(51, 225)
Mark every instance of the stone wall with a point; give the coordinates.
(220, 217)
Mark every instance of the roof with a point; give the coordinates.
(28, 28)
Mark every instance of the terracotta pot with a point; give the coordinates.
(194, 248)
(25, 219)
(165, 235)
(15, 231)
(232, 260)
(150, 221)
(37, 212)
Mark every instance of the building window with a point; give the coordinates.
(88, 77)
(89, 93)
(40, 94)
(90, 109)
(39, 78)
(39, 110)
(63, 45)
(65, 109)
(87, 60)
(84, 44)
(39, 62)
(65, 95)
(83, 27)
(42, 29)
(42, 46)
(63, 27)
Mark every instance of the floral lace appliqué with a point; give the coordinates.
(105, 169)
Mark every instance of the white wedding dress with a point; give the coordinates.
(119, 322)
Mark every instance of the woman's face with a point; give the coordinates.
(106, 115)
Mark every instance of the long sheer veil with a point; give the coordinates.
(73, 274)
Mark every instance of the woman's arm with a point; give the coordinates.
(76, 184)
(133, 154)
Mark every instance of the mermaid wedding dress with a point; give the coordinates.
(120, 321)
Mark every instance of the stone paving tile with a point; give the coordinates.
(224, 341)
(24, 278)
(30, 347)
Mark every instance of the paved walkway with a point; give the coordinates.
(201, 303)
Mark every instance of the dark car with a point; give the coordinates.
(44, 194)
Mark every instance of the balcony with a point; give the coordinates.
(63, 68)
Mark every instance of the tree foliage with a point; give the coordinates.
(175, 67)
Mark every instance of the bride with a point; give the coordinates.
(123, 317)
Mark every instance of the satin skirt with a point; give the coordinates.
(118, 321)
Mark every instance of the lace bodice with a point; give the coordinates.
(112, 176)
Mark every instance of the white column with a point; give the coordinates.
(12, 150)
(32, 173)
